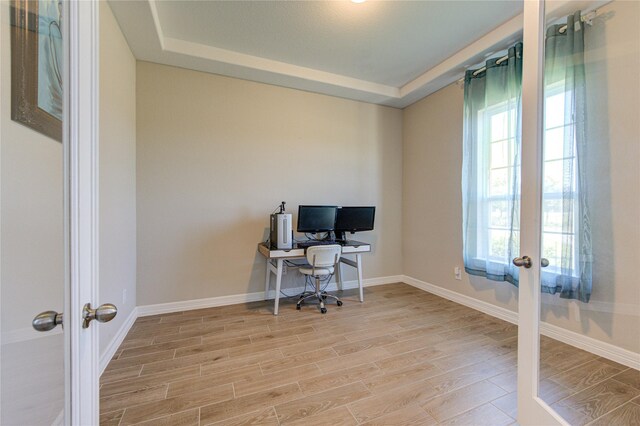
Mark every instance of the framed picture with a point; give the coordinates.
(37, 65)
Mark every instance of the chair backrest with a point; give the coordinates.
(324, 256)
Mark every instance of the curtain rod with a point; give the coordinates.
(587, 19)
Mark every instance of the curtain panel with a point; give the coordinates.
(491, 167)
(570, 269)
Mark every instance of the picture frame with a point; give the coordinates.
(37, 65)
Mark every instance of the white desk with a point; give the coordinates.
(275, 259)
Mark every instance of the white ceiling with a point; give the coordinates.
(387, 52)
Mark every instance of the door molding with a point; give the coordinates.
(80, 133)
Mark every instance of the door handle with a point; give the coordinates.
(522, 261)
(103, 313)
(526, 262)
(47, 320)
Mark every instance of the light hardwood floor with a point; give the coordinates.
(404, 357)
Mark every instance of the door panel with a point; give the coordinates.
(590, 229)
(32, 236)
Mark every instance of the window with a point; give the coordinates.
(499, 170)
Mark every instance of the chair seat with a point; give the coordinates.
(307, 270)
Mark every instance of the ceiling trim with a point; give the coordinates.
(226, 62)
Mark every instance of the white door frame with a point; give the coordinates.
(80, 133)
(531, 409)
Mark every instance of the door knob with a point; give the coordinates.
(103, 313)
(522, 261)
(47, 320)
(544, 262)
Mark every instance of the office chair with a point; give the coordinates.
(322, 261)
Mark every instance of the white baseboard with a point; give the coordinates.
(117, 340)
(603, 349)
(478, 305)
(210, 302)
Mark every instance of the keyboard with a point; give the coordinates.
(309, 243)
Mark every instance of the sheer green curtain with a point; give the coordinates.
(566, 238)
(491, 167)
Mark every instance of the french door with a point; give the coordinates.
(531, 409)
(49, 358)
(559, 384)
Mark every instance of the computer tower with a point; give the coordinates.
(281, 231)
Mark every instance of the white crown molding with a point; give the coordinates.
(603, 349)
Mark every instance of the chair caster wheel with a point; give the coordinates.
(339, 303)
(298, 307)
(323, 310)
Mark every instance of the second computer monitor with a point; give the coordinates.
(316, 218)
(355, 219)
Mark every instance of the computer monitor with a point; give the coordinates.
(355, 219)
(316, 218)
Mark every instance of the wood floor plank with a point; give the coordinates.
(595, 401)
(266, 417)
(464, 376)
(114, 375)
(111, 418)
(180, 335)
(256, 401)
(149, 349)
(322, 382)
(585, 375)
(400, 377)
(410, 358)
(627, 414)
(352, 360)
(295, 361)
(412, 415)
(339, 416)
(508, 404)
(392, 401)
(184, 418)
(177, 404)
(225, 364)
(185, 361)
(444, 407)
(212, 346)
(253, 348)
(145, 382)
(306, 346)
(314, 404)
(259, 383)
(364, 344)
(212, 380)
(127, 399)
(484, 415)
(629, 377)
(140, 360)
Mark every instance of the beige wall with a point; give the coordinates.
(117, 173)
(216, 155)
(432, 210)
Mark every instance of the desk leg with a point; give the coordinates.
(359, 267)
(339, 274)
(267, 280)
(278, 282)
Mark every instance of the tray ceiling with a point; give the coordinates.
(391, 53)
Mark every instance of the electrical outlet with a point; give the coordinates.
(457, 272)
(124, 296)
